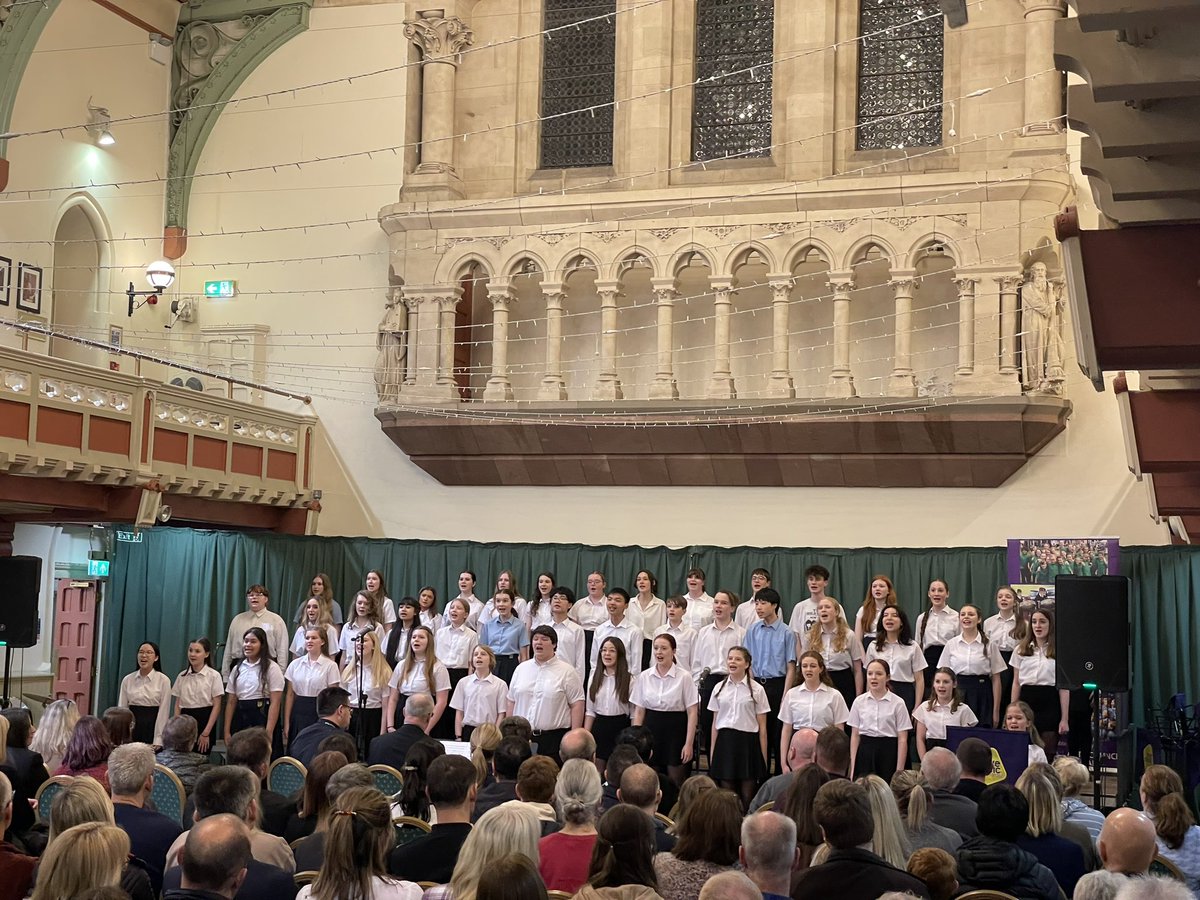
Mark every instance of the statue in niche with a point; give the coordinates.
(1041, 332)
(393, 350)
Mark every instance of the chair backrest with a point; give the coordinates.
(666, 820)
(387, 779)
(1163, 867)
(558, 895)
(767, 807)
(985, 894)
(409, 828)
(286, 776)
(167, 793)
(47, 792)
(303, 878)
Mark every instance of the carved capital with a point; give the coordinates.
(440, 39)
(781, 289)
(1009, 283)
(903, 287)
(554, 299)
(841, 287)
(1057, 7)
(966, 285)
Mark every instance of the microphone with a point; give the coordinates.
(705, 672)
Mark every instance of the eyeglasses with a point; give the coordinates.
(255, 594)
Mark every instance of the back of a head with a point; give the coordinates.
(621, 758)
(88, 855)
(250, 748)
(1162, 789)
(938, 869)
(128, 768)
(313, 798)
(536, 778)
(769, 843)
(804, 746)
(83, 800)
(624, 849)
(941, 769)
(1003, 812)
(179, 734)
(1045, 810)
(843, 811)
(331, 699)
(1127, 841)
(889, 840)
(710, 829)
(216, 850)
(511, 877)
(225, 789)
(357, 839)
(20, 727)
(732, 885)
(975, 757)
(1154, 889)
(119, 722)
(639, 786)
(1099, 885)
(641, 738)
(577, 743)
(578, 791)
(353, 775)
(912, 796)
(1072, 774)
(504, 829)
(797, 803)
(516, 726)
(340, 742)
(418, 706)
(6, 793)
(449, 780)
(508, 757)
(833, 750)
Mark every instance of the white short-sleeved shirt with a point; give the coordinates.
(738, 704)
(198, 689)
(674, 691)
(935, 720)
(572, 646)
(331, 640)
(871, 627)
(481, 700)
(712, 645)
(745, 615)
(430, 619)
(685, 637)
(803, 616)
(837, 660)
(416, 683)
(350, 631)
(651, 616)
(544, 692)
(607, 703)
(942, 626)
(1037, 669)
(387, 609)
(630, 634)
(376, 693)
(454, 645)
(802, 708)
(999, 631)
(589, 615)
(543, 616)
(699, 611)
(153, 689)
(904, 660)
(310, 677)
(244, 681)
(970, 658)
(885, 717)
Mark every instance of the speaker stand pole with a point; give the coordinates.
(4, 701)
(1095, 760)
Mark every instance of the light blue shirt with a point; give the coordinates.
(505, 638)
(771, 648)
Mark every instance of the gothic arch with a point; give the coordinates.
(800, 250)
(87, 204)
(741, 250)
(617, 268)
(680, 258)
(861, 245)
(456, 270)
(512, 266)
(929, 240)
(563, 268)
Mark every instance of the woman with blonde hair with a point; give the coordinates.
(85, 801)
(375, 674)
(484, 741)
(688, 792)
(889, 840)
(357, 841)
(1074, 777)
(510, 828)
(1042, 835)
(832, 638)
(913, 801)
(54, 731)
(85, 856)
(1178, 837)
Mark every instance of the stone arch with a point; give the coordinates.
(921, 247)
(80, 294)
(863, 245)
(617, 268)
(514, 264)
(460, 265)
(734, 258)
(680, 258)
(797, 253)
(566, 263)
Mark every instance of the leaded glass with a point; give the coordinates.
(899, 74)
(578, 65)
(731, 111)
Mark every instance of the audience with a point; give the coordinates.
(413, 800)
(566, 855)
(801, 750)
(250, 748)
(1127, 842)
(506, 766)
(131, 778)
(1100, 885)
(119, 722)
(913, 800)
(937, 869)
(87, 751)
(691, 788)
(314, 801)
(732, 885)
(851, 871)
(54, 732)
(942, 770)
(179, 737)
(499, 832)
(622, 865)
(975, 757)
(1074, 778)
(889, 841)
(1072, 831)
(1042, 837)
(992, 860)
(391, 749)
(535, 789)
(1178, 836)
(832, 752)
(16, 869)
(25, 768)
(1154, 889)
(310, 851)
(621, 758)
(797, 805)
(518, 727)
(83, 857)
(484, 741)
(333, 712)
(641, 738)
(339, 742)
(640, 788)
(214, 861)
(769, 855)
(450, 786)
(577, 743)
(512, 877)
(709, 835)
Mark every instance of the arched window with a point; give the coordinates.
(578, 65)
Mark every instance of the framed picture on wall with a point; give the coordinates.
(5, 281)
(29, 288)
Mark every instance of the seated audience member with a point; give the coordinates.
(54, 732)
(535, 788)
(731, 886)
(131, 778)
(339, 742)
(518, 727)
(84, 857)
(179, 737)
(310, 851)
(890, 840)
(1042, 837)
(1154, 889)
(16, 869)
(1072, 831)
(234, 790)
(1178, 835)
(992, 860)
(622, 865)
(622, 757)
(975, 757)
(314, 802)
(512, 877)
(566, 854)
(356, 846)
(484, 741)
(692, 788)
(119, 722)
(450, 784)
(801, 750)
(1127, 842)
(25, 768)
(851, 872)
(215, 859)
(832, 752)
(82, 801)
(391, 749)
(1099, 885)
(641, 738)
(797, 805)
(640, 788)
(499, 832)
(769, 855)
(937, 869)
(1074, 778)
(577, 743)
(506, 766)
(913, 800)
(942, 769)
(87, 751)
(333, 716)
(413, 801)
(250, 748)
(709, 835)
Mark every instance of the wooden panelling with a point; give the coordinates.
(109, 435)
(14, 420)
(281, 465)
(170, 446)
(60, 426)
(246, 460)
(208, 453)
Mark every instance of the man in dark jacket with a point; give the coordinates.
(391, 749)
(506, 766)
(942, 770)
(852, 872)
(333, 709)
(213, 860)
(992, 860)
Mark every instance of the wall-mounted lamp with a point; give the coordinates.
(97, 127)
(160, 274)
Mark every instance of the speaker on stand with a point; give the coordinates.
(22, 577)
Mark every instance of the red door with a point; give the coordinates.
(74, 641)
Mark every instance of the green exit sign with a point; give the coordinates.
(220, 289)
(98, 568)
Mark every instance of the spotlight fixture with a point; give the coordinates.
(97, 127)
(160, 274)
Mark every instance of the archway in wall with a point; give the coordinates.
(637, 327)
(580, 329)
(527, 330)
(872, 321)
(750, 341)
(811, 325)
(78, 302)
(472, 333)
(935, 322)
(694, 326)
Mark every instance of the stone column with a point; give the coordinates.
(966, 325)
(720, 386)
(841, 379)
(608, 386)
(553, 386)
(780, 384)
(664, 387)
(447, 304)
(410, 339)
(1009, 285)
(1043, 89)
(503, 295)
(902, 383)
(440, 40)
(430, 368)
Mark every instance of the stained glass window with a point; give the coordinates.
(731, 111)
(578, 65)
(899, 74)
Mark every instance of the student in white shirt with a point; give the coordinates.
(198, 691)
(665, 700)
(945, 707)
(739, 728)
(649, 609)
(620, 625)
(804, 613)
(373, 584)
(455, 642)
(677, 627)
(420, 673)
(880, 593)
(814, 703)
(548, 692)
(1019, 717)
(466, 591)
(306, 677)
(539, 606)
(371, 678)
(364, 617)
(312, 618)
(976, 664)
(256, 688)
(879, 726)
(591, 610)
(699, 603)
(606, 708)
(506, 581)
(745, 615)
(832, 638)
(894, 643)
(256, 616)
(1035, 678)
(322, 589)
(1005, 629)
(147, 694)
(710, 652)
(937, 624)
(479, 698)
(571, 640)
(427, 609)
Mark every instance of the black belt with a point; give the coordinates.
(548, 731)
(980, 678)
(763, 679)
(508, 656)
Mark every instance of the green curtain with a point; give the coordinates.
(177, 584)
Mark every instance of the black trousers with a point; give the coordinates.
(548, 742)
(774, 691)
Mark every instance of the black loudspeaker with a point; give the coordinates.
(20, 578)
(1092, 631)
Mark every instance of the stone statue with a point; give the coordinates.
(392, 347)
(1041, 332)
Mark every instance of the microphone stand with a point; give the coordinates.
(361, 729)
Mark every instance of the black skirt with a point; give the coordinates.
(737, 757)
(906, 691)
(605, 730)
(843, 680)
(977, 694)
(876, 756)
(304, 713)
(144, 718)
(367, 722)
(933, 655)
(1043, 700)
(202, 714)
(670, 734)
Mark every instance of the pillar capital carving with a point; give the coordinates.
(966, 283)
(721, 283)
(1058, 7)
(1009, 283)
(903, 286)
(440, 39)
